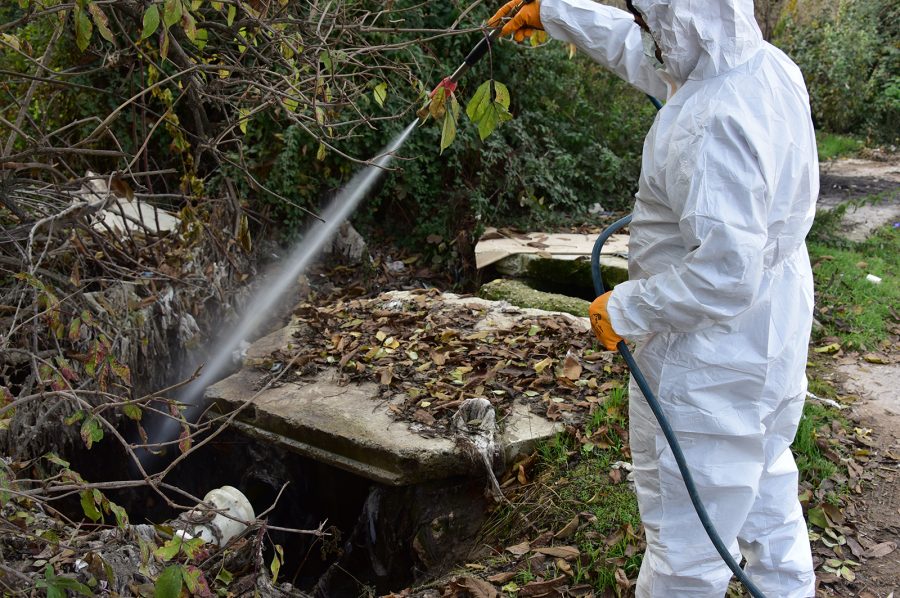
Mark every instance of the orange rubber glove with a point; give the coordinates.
(523, 24)
(600, 322)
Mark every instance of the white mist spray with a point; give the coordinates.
(259, 307)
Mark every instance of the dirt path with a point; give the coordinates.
(875, 513)
(872, 186)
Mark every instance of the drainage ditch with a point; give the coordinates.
(378, 538)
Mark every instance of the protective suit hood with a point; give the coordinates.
(700, 40)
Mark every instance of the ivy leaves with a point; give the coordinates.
(86, 16)
(175, 12)
(84, 27)
(151, 21)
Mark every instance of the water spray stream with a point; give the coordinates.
(260, 306)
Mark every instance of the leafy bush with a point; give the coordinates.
(850, 56)
(575, 140)
(273, 130)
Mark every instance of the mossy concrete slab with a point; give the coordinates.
(555, 259)
(520, 294)
(349, 427)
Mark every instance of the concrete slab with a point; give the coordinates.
(494, 247)
(561, 259)
(342, 426)
(351, 428)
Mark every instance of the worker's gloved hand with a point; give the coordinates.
(600, 322)
(523, 24)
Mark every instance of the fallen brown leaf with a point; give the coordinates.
(571, 367)
(835, 514)
(477, 588)
(542, 540)
(521, 476)
(501, 578)
(424, 417)
(880, 550)
(855, 547)
(563, 552)
(549, 587)
(622, 579)
(569, 529)
(519, 549)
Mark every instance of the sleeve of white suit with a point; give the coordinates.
(606, 34)
(720, 193)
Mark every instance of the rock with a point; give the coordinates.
(519, 294)
(348, 244)
(346, 427)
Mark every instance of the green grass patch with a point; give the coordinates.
(813, 465)
(832, 145)
(849, 306)
(571, 482)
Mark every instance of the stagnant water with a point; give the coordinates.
(259, 307)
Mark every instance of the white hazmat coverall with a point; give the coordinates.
(721, 294)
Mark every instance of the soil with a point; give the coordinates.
(872, 186)
(875, 513)
(877, 509)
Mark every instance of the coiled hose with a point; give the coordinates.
(667, 430)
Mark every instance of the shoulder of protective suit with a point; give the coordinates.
(747, 100)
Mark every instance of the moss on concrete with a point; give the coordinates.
(518, 293)
(574, 274)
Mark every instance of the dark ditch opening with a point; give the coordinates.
(580, 287)
(380, 538)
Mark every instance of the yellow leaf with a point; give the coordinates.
(876, 358)
(832, 348)
(478, 336)
(542, 365)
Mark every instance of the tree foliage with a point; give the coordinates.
(849, 52)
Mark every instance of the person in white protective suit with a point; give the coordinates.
(720, 295)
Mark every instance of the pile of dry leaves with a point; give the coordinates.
(428, 356)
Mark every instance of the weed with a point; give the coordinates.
(555, 452)
(849, 306)
(833, 146)
(813, 465)
(525, 576)
(573, 484)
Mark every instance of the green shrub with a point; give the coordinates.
(575, 140)
(849, 53)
